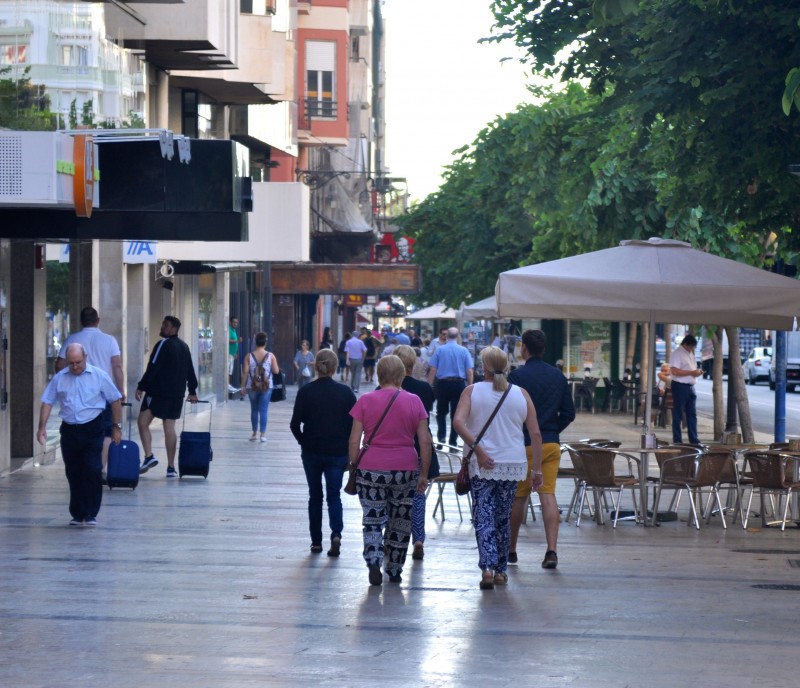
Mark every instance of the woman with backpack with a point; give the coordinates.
(259, 365)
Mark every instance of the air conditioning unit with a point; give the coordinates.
(42, 169)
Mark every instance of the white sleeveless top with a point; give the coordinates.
(503, 440)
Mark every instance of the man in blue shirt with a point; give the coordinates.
(82, 392)
(550, 394)
(451, 369)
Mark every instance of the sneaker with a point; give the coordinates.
(512, 558)
(90, 522)
(76, 522)
(171, 472)
(148, 463)
(550, 560)
(263, 439)
(395, 578)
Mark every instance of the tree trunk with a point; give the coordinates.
(631, 348)
(667, 343)
(736, 383)
(716, 387)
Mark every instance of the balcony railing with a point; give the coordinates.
(317, 109)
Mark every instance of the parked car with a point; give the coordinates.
(756, 365)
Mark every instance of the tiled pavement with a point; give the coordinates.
(210, 583)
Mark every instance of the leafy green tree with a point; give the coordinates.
(87, 114)
(701, 81)
(549, 180)
(23, 106)
(72, 116)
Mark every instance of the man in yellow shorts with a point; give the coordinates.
(550, 393)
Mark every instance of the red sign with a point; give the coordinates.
(391, 250)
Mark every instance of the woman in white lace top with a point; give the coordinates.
(498, 460)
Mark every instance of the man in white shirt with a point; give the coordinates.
(102, 351)
(684, 371)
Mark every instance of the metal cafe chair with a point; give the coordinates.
(772, 474)
(597, 470)
(693, 472)
(447, 456)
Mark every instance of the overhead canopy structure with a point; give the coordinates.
(658, 280)
(485, 309)
(437, 311)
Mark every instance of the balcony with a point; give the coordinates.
(201, 35)
(264, 73)
(311, 110)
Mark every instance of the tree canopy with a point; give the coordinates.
(671, 124)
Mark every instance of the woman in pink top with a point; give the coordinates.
(388, 474)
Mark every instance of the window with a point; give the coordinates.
(74, 55)
(198, 115)
(259, 7)
(355, 49)
(189, 113)
(320, 82)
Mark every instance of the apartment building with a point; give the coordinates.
(265, 205)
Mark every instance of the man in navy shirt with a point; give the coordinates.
(550, 393)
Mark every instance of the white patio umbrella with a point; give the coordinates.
(485, 309)
(437, 311)
(659, 280)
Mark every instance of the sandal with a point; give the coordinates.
(500, 578)
(487, 580)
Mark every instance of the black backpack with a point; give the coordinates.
(260, 379)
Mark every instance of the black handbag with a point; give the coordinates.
(278, 390)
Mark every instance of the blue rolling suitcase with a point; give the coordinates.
(123, 461)
(194, 454)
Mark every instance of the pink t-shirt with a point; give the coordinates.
(392, 449)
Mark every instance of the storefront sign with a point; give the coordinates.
(136, 252)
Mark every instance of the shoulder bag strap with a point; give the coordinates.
(364, 447)
(488, 423)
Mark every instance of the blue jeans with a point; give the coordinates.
(332, 467)
(259, 408)
(683, 404)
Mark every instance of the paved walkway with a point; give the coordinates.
(209, 583)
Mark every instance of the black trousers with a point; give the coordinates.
(448, 392)
(81, 449)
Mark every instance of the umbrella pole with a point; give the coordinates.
(647, 374)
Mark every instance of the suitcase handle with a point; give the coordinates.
(130, 417)
(199, 401)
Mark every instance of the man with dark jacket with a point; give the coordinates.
(169, 371)
(550, 393)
